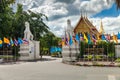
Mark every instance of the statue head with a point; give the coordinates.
(26, 24)
(68, 22)
(27, 33)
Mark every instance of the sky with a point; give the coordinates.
(59, 11)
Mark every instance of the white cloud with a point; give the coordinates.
(52, 8)
(47, 7)
(94, 6)
(58, 26)
(110, 24)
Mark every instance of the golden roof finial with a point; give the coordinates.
(81, 13)
(101, 28)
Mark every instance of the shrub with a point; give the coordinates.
(117, 60)
(111, 55)
(90, 56)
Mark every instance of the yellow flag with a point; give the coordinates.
(0, 41)
(63, 43)
(98, 37)
(85, 38)
(6, 41)
(115, 38)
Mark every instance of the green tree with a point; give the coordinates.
(18, 22)
(5, 4)
(6, 17)
(36, 20)
(38, 27)
(49, 40)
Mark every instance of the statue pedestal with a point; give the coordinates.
(70, 53)
(29, 51)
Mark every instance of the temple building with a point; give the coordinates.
(85, 26)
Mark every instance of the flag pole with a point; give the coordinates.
(88, 52)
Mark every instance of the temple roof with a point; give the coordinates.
(84, 25)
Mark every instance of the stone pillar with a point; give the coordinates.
(66, 53)
(117, 51)
(70, 53)
(36, 49)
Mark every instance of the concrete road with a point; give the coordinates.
(53, 69)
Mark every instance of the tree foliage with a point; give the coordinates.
(13, 24)
(49, 40)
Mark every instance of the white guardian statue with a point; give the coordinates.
(29, 51)
(69, 27)
(27, 33)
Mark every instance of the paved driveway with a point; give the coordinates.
(53, 69)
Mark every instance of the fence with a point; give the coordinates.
(6, 54)
(84, 52)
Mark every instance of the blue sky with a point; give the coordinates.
(59, 11)
(111, 12)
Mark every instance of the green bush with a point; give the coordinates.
(6, 56)
(117, 60)
(98, 57)
(82, 49)
(90, 56)
(111, 55)
(109, 48)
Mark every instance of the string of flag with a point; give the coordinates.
(90, 39)
(13, 42)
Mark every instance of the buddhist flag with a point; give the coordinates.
(6, 41)
(1, 42)
(94, 39)
(11, 42)
(15, 42)
(103, 37)
(89, 40)
(81, 37)
(85, 38)
(25, 41)
(108, 37)
(118, 36)
(98, 37)
(71, 41)
(20, 41)
(77, 38)
(63, 42)
(67, 38)
(115, 38)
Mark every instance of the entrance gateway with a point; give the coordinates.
(29, 50)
